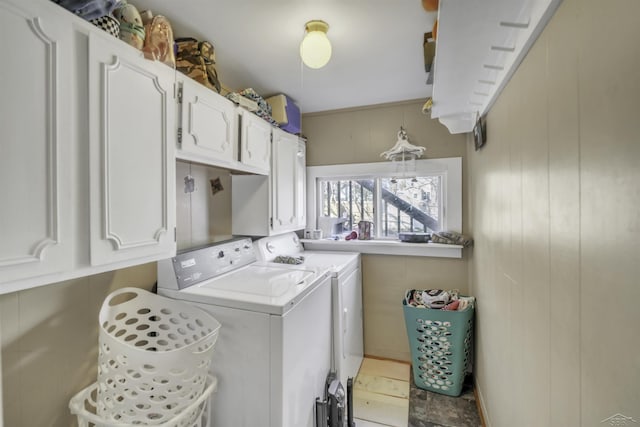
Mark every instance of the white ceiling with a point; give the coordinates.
(377, 47)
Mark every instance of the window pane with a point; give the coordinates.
(350, 199)
(411, 204)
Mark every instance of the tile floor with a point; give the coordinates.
(428, 409)
(385, 395)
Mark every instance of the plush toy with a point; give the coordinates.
(131, 28)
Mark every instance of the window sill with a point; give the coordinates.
(385, 247)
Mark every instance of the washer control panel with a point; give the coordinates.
(196, 265)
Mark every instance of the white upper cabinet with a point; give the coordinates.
(274, 204)
(35, 157)
(479, 47)
(288, 182)
(213, 131)
(255, 141)
(207, 126)
(132, 164)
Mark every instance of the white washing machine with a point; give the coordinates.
(274, 349)
(346, 281)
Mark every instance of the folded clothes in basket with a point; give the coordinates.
(438, 299)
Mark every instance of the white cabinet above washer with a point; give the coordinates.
(213, 131)
(265, 206)
(288, 181)
(478, 48)
(255, 141)
(87, 151)
(36, 213)
(207, 125)
(131, 154)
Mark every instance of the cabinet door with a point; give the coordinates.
(208, 125)
(255, 141)
(35, 154)
(300, 189)
(132, 139)
(284, 182)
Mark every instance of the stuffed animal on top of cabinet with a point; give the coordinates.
(131, 26)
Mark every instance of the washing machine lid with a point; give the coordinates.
(257, 288)
(268, 249)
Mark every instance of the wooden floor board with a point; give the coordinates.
(385, 368)
(381, 392)
(388, 410)
(382, 385)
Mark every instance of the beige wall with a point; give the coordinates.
(359, 136)
(202, 217)
(50, 344)
(555, 212)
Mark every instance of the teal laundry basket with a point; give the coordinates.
(441, 347)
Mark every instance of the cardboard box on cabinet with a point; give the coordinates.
(285, 112)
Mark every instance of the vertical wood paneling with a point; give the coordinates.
(564, 224)
(610, 198)
(568, 122)
(535, 226)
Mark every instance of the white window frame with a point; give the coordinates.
(449, 168)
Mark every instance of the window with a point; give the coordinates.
(427, 200)
(406, 204)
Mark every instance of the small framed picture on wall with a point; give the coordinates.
(480, 133)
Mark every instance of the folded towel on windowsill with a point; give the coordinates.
(451, 238)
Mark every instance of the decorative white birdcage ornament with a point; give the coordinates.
(403, 154)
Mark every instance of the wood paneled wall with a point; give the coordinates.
(554, 203)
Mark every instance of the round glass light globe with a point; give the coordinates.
(315, 49)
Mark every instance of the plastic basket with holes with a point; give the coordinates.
(441, 347)
(83, 405)
(154, 357)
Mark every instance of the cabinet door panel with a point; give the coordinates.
(285, 151)
(255, 142)
(208, 123)
(34, 180)
(132, 113)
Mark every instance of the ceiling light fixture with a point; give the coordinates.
(315, 49)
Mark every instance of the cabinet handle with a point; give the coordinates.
(345, 318)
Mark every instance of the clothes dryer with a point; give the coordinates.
(346, 279)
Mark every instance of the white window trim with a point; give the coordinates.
(450, 168)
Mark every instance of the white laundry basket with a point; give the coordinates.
(154, 357)
(84, 406)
